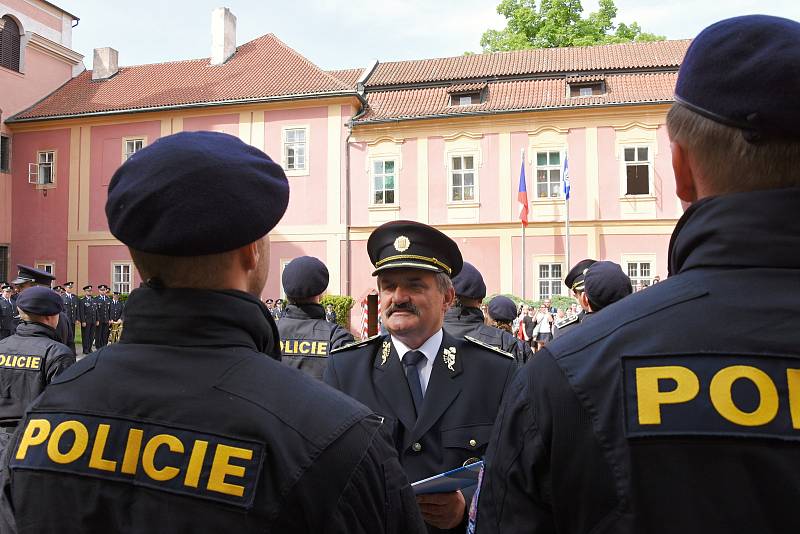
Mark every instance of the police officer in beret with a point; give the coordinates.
(466, 318)
(438, 393)
(6, 311)
(31, 358)
(675, 409)
(191, 423)
(574, 282)
(28, 277)
(306, 337)
(103, 302)
(89, 317)
(502, 311)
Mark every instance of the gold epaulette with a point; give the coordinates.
(356, 344)
(490, 347)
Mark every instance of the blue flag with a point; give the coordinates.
(565, 178)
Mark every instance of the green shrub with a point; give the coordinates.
(341, 305)
(558, 301)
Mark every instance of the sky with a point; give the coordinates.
(338, 34)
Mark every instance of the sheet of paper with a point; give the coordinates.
(457, 479)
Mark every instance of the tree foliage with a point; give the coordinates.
(558, 23)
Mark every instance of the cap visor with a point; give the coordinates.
(408, 265)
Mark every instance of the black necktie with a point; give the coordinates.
(410, 361)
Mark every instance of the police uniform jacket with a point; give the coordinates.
(29, 360)
(70, 306)
(190, 424)
(103, 307)
(568, 324)
(674, 409)
(307, 338)
(7, 312)
(459, 408)
(466, 321)
(87, 310)
(115, 310)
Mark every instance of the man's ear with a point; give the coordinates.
(248, 256)
(685, 186)
(584, 301)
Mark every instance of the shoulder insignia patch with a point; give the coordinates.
(357, 344)
(566, 321)
(490, 347)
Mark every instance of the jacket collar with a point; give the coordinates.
(304, 311)
(199, 318)
(30, 329)
(750, 229)
(464, 314)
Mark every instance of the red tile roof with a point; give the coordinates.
(347, 76)
(259, 70)
(534, 61)
(504, 96)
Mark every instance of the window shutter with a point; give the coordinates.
(9, 44)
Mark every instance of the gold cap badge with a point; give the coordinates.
(402, 243)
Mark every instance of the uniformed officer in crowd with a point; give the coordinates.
(306, 337)
(28, 277)
(465, 317)
(6, 311)
(70, 308)
(574, 282)
(501, 312)
(89, 318)
(31, 358)
(438, 393)
(191, 423)
(330, 313)
(116, 311)
(675, 409)
(103, 301)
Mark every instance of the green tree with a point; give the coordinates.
(558, 23)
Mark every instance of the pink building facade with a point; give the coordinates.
(365, 146)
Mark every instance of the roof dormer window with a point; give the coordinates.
(465, 99)
(469, 94)
(583, 86)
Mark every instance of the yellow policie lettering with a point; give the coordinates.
(650, 398)
(296, 347)
(38, 432)
(13, 361)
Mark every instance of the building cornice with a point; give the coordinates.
(53, 49)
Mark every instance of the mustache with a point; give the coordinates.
(406, 307)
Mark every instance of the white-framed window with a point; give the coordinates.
(638, 169)
(46, 164)
(640, 273)
(384, 182)
(463, 178)
(548, 174)
(121, 276)
(283, 264)
(131, 145)
(550, 282)
(295, 149)
(5, 153)
(46, 266)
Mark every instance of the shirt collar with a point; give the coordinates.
(430, 348)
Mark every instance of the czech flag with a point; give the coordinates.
(522, 196)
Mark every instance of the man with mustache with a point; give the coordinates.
(438, 394)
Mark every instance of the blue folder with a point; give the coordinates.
(450, 481)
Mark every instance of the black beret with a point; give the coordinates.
(304, 277)
(196, 193)
(40, 301)
(744, 72)
(469, 283)
(574, 278)
(502, 309)
(29, 274)
(606, 284)
(413, 245)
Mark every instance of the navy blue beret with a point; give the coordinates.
(304, 277)
(605, 283)
(413, 245)
(744, 72)
(502, 309)
(469, 283)
(26, 273)
(195, 193)
(40, 301)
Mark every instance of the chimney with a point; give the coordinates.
(105, 63)
(223, 35)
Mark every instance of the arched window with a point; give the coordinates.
(9, 44)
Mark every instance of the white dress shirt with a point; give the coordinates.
(430, 349)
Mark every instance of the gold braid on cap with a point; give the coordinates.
(415, 257)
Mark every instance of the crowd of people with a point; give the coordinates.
(619, 415)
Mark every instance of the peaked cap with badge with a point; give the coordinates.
(413, 245)
(27, 274)
(574, 278)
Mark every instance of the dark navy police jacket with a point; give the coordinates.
(462, 321)
(676, 409)
(191, 424)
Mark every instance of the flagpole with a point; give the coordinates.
(522, 156)
(565, 188)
